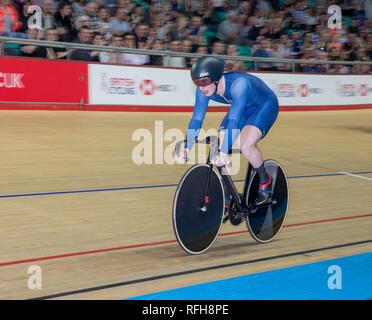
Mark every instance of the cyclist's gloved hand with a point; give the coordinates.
(222, 159)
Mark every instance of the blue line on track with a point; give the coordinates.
(347, 278)
(155, 186)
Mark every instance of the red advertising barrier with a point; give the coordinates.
(42, 84)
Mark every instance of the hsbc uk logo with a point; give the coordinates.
(148, 87)
(363, 90)
(304, 90)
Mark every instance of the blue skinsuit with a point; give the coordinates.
(252, 103)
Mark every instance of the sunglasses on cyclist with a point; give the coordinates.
(202, 82)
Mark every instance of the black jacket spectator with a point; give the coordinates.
(63, 19)
(84, 36)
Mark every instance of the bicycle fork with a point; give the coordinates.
(206, 196)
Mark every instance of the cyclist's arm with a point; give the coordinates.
(240, 90)
(200, 108)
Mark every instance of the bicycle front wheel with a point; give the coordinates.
(196, 226)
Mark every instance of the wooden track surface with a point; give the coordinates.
(117, 241)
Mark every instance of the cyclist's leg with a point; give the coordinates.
(256, 127)
(221, 134)
(249, 137)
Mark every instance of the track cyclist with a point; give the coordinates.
(254, 109)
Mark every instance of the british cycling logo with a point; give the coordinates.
(128, 86)
(115, 85)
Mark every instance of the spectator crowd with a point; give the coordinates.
(257, 28)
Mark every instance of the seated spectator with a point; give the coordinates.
(264, 51)
(166, 12)
(195, 29)
(365, 68)
(242, 21)
(333, 54)
(369, 46)
(134, 58)
(308, 54)
(64, 22)
(171, 61)
(141, 59)
(308, 40)
(121, 23)
(78, 7)
(84, 37)
(323, 56)
(138, 14)
(156, 60)
(202, 49)
(99, 40)
(187, 9)
(178, 30)
(54, 53)
(24, 16)
(104, 27)
(302, 17)
(354, 26)
(31, 50)
(124, 4)
(92, 12)
(174, 10)
(296, 44)
(81, 21)
(335, 43)
(151, 37)
(272, 29)
(361, 54)
(117, 57)
(285, 46)
(141, 32)
(218, 49)
(228, 30)
(232, 50)
(186, 46)
(48, 11)
(163, 29)
(10, 25)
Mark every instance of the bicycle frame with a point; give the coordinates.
(226, 178)
(238, 198)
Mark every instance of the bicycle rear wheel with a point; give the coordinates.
(265, 223)
(196, 230)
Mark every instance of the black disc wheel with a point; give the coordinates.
(264, 223)
(197, 217)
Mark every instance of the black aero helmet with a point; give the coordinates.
(207, 67)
